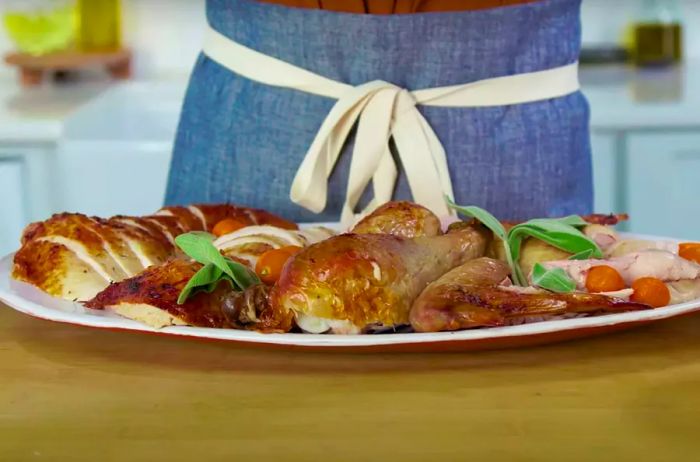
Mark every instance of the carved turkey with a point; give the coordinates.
(74, 256)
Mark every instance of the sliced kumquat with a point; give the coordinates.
(228, 225)
(650, 291)
(690, 251)
(604, 278)
(270, 264)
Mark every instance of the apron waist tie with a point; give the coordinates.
(384, 111)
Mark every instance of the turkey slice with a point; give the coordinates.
(198, 213)
(58, 270)
(80, 234)
(117, 247)
(142, 244)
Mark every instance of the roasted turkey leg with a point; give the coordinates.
(365, 279)
(400, 218)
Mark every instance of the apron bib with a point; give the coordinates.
(242, 141)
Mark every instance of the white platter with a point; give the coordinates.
(30, 300)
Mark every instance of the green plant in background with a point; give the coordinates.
(38, 27)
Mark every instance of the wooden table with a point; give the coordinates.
(80, 394)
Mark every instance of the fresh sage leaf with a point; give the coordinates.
(497, 229)
(555, 233)
(571, 220)
(242, 276)
(583, 255)
(562, 233)
(197, 246)
(204, 234)
(208, 275)
(482, 215)
(200, 248)
(554, 279)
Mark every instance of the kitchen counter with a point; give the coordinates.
(38, 115)
(623, 98)
(145, 111)
(81, 394)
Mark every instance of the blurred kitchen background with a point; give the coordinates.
(98, 140)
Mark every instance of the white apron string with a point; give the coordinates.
(384, 111)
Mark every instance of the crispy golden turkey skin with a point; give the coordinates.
(371, 278)
(74, 256)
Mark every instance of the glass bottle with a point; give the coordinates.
(658, 34)
(99, 25)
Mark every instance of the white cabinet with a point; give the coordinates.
(25, 190)
(106, 178)
(12, 203)
(97, 178)
(663, 177)
(114, 155)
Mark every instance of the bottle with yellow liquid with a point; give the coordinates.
(657, 36)
(38, 27)
(99, 25)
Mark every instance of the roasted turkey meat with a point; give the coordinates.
(472, 295)
(74, 256)
(354, 280)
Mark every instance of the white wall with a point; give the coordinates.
(4, 47)
(166, 34)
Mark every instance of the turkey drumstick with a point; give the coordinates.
(351, 281)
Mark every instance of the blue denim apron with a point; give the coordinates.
(240, 141)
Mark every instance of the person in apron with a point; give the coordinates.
(315, 114)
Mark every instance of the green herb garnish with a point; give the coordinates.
(495, 226)
(554, 279)
(199, 246)
(562, 233)
(583, 255)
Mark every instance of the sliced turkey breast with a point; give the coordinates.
(58, 270)
(82, 235)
